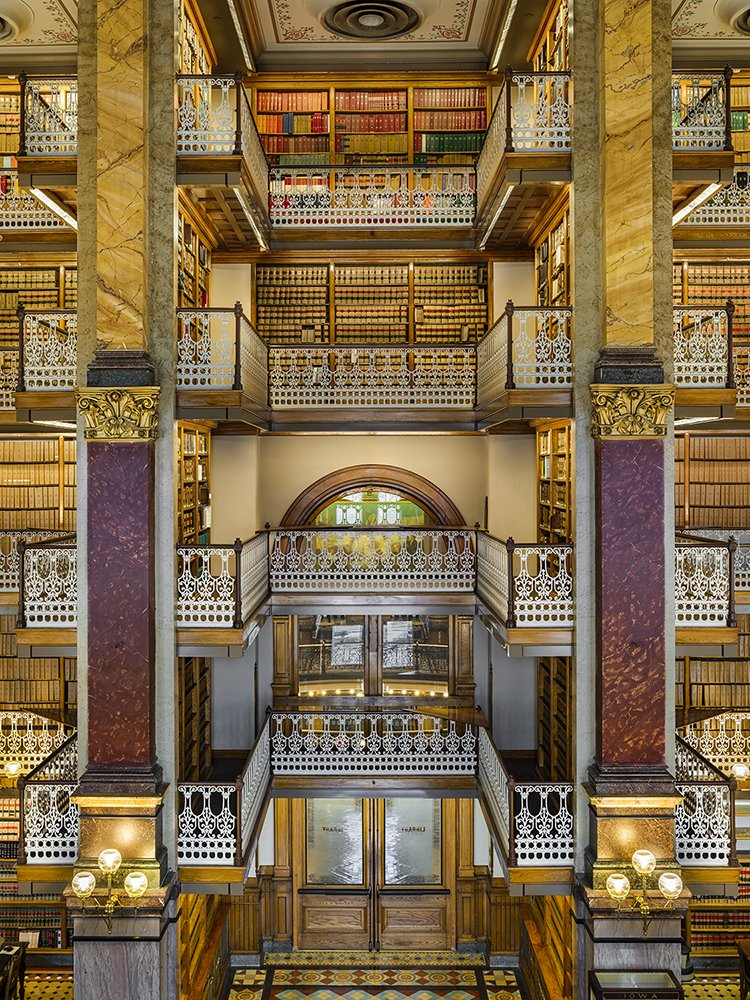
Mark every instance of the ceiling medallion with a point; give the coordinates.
(16, 17)
(735, 14)
(372, 21)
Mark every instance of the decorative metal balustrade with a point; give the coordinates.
(49, 344)
(8, 379)
(10, 560)
(741, 554)
(723, 740)
(526, 586)
(219, 349)
(217, 821)
(741, 370)
(704, 582)
(703, 346)
(533, 114)
(730, 206)
(21, 210)
(208, 595)
(28, 739)
(533, 819)
(528, 347)
(367, 743)
(704, 820)
(49, 819)
(701, 110)
(48, 583)
(371, 375)
(49, 115)
(377, 195)
(359, 560)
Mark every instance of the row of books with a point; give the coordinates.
(735, 448)
(31, 668)
(448, 142)
(294, 100)
(276, 144)
(712, 472)
(390, 122)
(364, 310)
(740, 96)
(370, 100)
(739, 121)
(456, 121)
(32, 450)
(374, 276)
(716, 494)
(12, 520)
(450, 295)
(718, 696)
(450, 274)
(291, 124)
(283, 275)
(39, 277)
(450, 97)
(364, 144)
(8, 850)
(712, 517)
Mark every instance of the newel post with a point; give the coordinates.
(509, 380)
(510, 546)
(237, 547)
(237, 346)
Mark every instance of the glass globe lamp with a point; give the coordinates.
(643, 862)
(109, 861)
(618, 886)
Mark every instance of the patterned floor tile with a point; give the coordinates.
(716, 986)
(357, 959)
(48, 986)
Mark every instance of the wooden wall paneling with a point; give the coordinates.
(463, 656)
(466, 910)
(245, 919)
(284, 672)
(505, 919)
(283, 890)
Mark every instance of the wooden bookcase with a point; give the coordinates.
(10, 119)
(195, 717)
(712, 278)
(399, 301)
(553, 482)
(712, 479)
(549, 49)
(741, 116)
(552, 260)
(41, 684)
(196, 53)
(554, 717)
(193, 484)
(712, 925)
(193, 265)
(38, 483)
(371, 120)
(52, 286)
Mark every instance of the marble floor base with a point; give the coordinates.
(49, 986)
(713, 986)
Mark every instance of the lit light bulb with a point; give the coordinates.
(670, 885)
(83, 884)
(135, 884)
(109, 861)
(644, 862)
(12, 769)
(740, 771)
(618, 886)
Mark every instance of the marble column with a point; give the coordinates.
(127, 721)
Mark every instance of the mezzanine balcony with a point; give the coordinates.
(705, 600)
(25, 217)
(704, 370)
(722, 214)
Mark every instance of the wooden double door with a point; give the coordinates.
(374, 873)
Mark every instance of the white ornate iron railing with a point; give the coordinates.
(703, 346)
(207, 591)
(8, 379)
(358, 743)
(704, 820)
(359, 560)
(219, 349)
(528, 347)
(730, 206)
(534, 820)
(28, 739)
(19, 209)
(218, 821)
(701, 118)
(48, 583)
(370, 375)
(49, 819)
(741, 555)
(49, 115)
(533, 114)
(49, 343)
(377, 195)
(723, 740)
(704, 582)
(741, 371)
(526, 586)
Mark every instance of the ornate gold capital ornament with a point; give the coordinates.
(631, 411)
(119, 414)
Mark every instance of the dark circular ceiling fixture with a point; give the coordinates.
(371, 21)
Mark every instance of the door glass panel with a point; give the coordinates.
(370, 508)
(331, 655)
(412, 851)
(334, 841)
(415, 655)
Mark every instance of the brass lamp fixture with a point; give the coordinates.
(135, 884)
(12, 770)
(740, 771)
(644, 863)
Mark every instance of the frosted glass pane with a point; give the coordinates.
(412, 851)
(334, 842)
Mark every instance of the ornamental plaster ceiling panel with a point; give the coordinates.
(47, 32)
(697, 28)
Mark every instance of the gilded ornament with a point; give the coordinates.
(631, 411)
(119, 414)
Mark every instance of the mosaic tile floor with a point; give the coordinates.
(49, 986)
(351, 976)
(716, 986)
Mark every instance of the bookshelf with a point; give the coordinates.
(371, 122)
(41, 920)
(10, 112)
(38, 483)
(35, 287)
(193, 484)
(712, 683)
(42, 684)
(549, 49)
(554, 714)
(10, 833)
(553, 482)
(713, 923)
(195, 717)
(710, 282)
(551, 256)
(712, 480)
(741, 115)
(401, 301)
(196, 53)
(193, 266)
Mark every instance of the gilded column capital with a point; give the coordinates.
(631, 411)
(119, 413)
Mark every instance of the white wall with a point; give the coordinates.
(512, 280)
(232, 702)
(231, 283)
(234, 488)
(511, 486)
(514, 700)
(481, 837)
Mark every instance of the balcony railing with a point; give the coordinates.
(701, 110)
(219, 349)
(704, 820)
(360, 560)
(49, 344)
(703, 346)
(8, 379)
(208, 595)
(48, 583)
(529, 347)
(533, 114)
(10, 559)
(20, 210)
(526, 586)
(49, 819)
(742, 553)
(217, 820)
(730, 206)
(370, 375)
(49, 115)
(378, 195)
(28, 739)
(704, 582)
(723, 740)
(534, 820)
